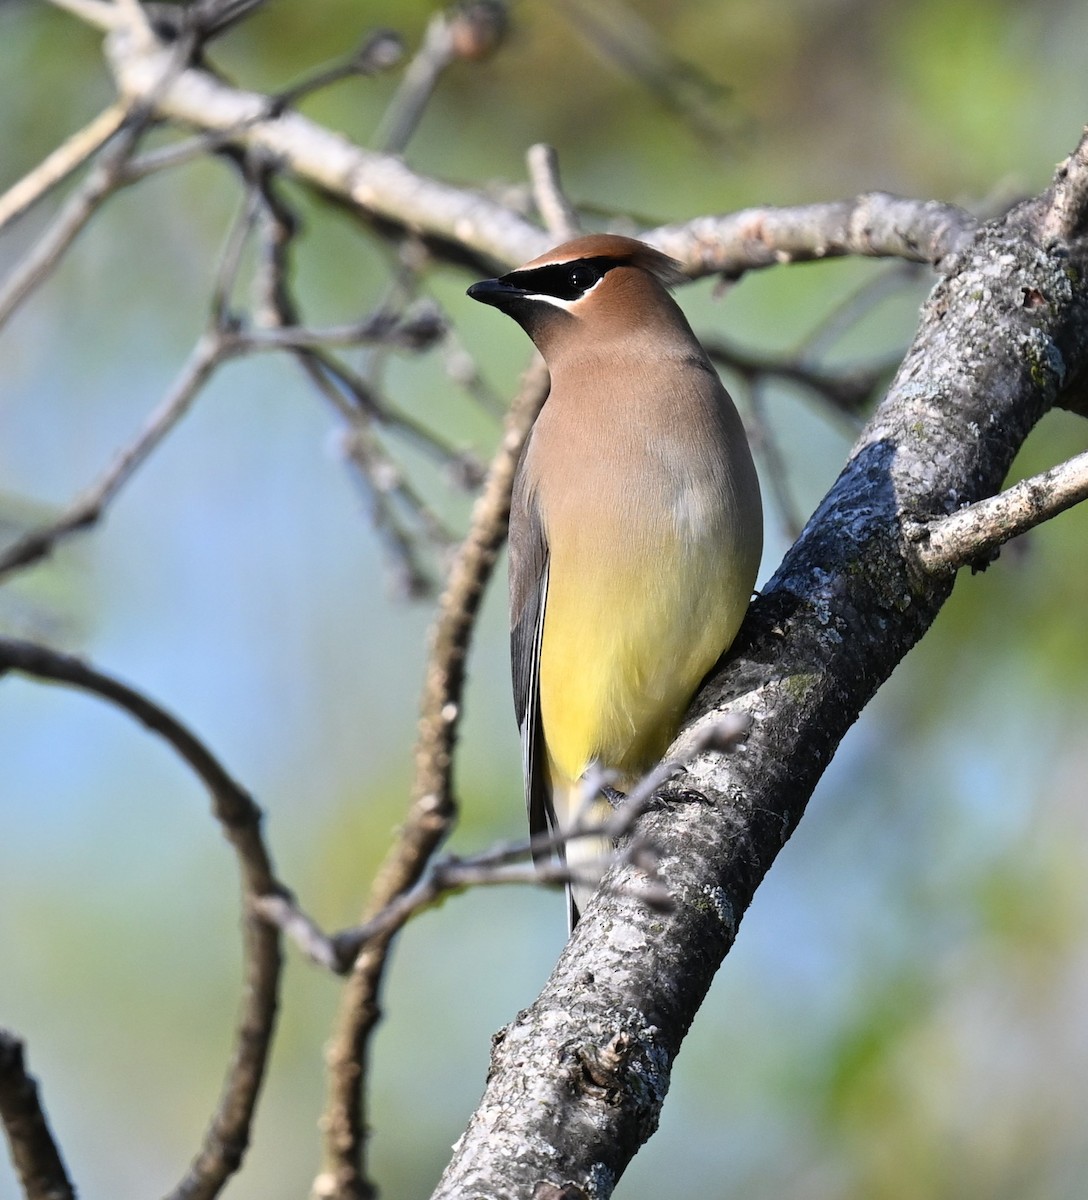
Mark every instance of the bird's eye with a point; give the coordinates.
(582, 276)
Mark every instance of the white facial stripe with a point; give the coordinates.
(550, 299)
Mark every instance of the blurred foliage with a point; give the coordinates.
(903, 1012)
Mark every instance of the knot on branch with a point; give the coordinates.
(603, 1067)
(545, 1190)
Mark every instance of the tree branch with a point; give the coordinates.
(381, 479)
(34, 1153)
(767, 451)
(849, 390)
(577, 1081)
(417, 85)
(227, 1136)
(102, 14)
(87, 509)
(73, 217)
(433, 808)
(558, 214)
(872, 225)
(383, 187)
(69, 156)
(972, 535)
(1067, 199)
(379, 184)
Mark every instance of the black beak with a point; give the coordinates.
(495, 292)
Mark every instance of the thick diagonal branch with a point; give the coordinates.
(577, 1081)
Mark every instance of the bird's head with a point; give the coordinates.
(598, 286)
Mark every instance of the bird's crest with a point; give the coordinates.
(619, 250)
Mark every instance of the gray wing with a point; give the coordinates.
(528, 596)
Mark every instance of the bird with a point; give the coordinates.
(636, 530)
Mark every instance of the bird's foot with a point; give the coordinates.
(671, 795)
(616, 799)
(668, 795)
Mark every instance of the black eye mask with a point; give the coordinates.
(564, 281)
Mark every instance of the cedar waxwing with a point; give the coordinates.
(635, 526)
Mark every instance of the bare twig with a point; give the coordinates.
(337, 952)
(205, 19)
(222, 318)
(406, 331)
(69, 156)
(1066, 200)
(74, 215)
(625, 39)
(34, 1153)
(556, 211)
(721, 733)
(102, 14)
(87, 509)
(433, 808)
(844, 316)
(382, 480)
(417, 86)
(849, 390)
(240, 818)
(872, 225)
(355, 396)
(380, 50)
(765, 446)
(471, 30)
(283, 911)
(463, 369)
(516, 862)
(165, 158)
(108, 174)
(973, 534)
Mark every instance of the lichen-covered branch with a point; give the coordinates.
(972, 535)
(1066, 203)
(872, 225)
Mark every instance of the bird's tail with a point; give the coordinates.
(588, 856)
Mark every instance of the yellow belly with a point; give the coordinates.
(623, 652)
